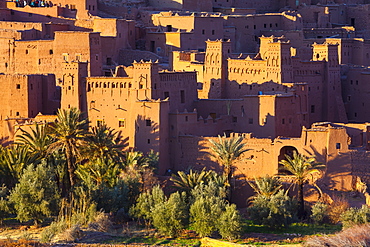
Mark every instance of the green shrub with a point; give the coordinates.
(320, 213)
(275, 211)
(54, 229)
(356, 216)
(4, 204)
(172, 216)
(205, 213)
(229, 224)
(146, 202)
(212, 189)
(36, 195)
(111, 199)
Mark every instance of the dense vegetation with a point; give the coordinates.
(76, 176)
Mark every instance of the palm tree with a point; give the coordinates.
(99, 172)
(226, 151)
(104, 144)
(69, 134)
(300, 167)
(265, 186)
(135, 164)
(13, 160)
(37, 139)
(187, 182)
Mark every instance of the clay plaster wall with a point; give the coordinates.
(355, 93)
(33, 94)
(329, 145)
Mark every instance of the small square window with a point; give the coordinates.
(148, 141)
(312, 108)
(99, 123)
(148, 122)
(18, 86)
(250, 121)
(121, 123)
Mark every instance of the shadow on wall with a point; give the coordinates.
(195, 155)
(147, 135)
(338, 172)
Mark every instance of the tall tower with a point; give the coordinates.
(332, 102)
(74, 85)
(279, 60)
(145, 80)
(215, 69)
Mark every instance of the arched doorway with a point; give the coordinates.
(286, 150)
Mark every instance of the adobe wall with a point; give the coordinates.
(182, 63)
(143, 122)
(54, 11)
(262, 115)
(122, 30)
(355, 93)
(180, 87)
(314, 16)
(45, 56)
(243, 30)
(360, 161)
(33, 94)
(128, 56)
(327, 144)
(203, 27)
(358, 134)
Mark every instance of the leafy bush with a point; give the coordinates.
(356, 216)
(4, 204)
(171, 216)
(205, 213)
(121, 216)
(229, 224)
(111, 199)
(146, 202)
(275, 211)
(320, 213)
(212, 189)
(36, 195)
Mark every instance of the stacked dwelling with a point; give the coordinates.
(277, 79)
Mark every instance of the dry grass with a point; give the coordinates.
(21, 243)
(72, 234)
(336, 208)
(101, 223)
(354, 236)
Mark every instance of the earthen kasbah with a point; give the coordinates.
(172, 74)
